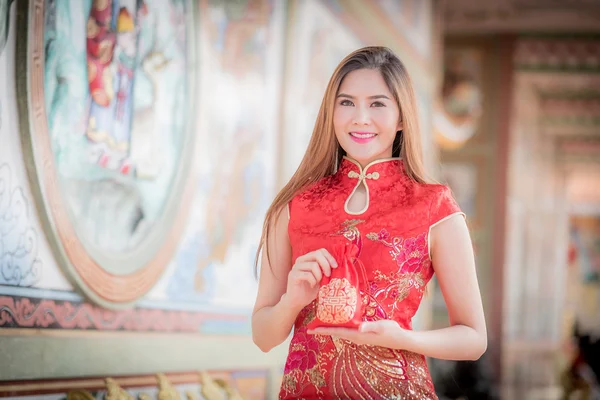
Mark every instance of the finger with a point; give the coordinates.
(323, 258)
(351, 335)
(302, 259)
(345, 333)
(312, 267)
(312, 256)
(323, 262)
(322, 331)
(371, 327)
(329, 258)
(304, 276)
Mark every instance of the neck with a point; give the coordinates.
(365, 164)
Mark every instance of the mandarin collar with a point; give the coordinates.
(375, 173)
(381, 168)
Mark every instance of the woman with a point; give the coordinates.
(362, 182)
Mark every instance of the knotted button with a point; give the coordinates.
(362, 175)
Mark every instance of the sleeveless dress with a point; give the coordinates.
(392, 236)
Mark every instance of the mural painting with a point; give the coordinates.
(318, 43)
(107, 127)
(236, 170)
(412, 18)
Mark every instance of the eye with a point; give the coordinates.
(377, 104)
(346, 103)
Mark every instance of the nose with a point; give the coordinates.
(361, 116)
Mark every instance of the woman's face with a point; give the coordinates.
(366, 116)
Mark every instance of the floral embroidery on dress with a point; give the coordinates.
(373, 310)
(304, 364)
(350, 231)
(413, 261)
(410, 254)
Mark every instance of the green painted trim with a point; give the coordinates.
(583, 94)
(560, 35)
(570, 120)
(562, 68)
(69, 355)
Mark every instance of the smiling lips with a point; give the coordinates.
(362, 137)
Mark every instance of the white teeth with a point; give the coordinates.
(363, 135)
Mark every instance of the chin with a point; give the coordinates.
(364, 157)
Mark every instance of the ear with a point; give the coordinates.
(400, 126)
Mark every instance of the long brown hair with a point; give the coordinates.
(324, 152)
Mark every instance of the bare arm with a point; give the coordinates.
(285, 289)
(454, 264)
(273, 318)
(466, 338)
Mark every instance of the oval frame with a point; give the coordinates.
(84, 265)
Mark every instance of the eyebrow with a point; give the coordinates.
(377, 96)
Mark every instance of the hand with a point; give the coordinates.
(383, 333)
(305, 276)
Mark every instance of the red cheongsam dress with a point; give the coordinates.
(392, 236)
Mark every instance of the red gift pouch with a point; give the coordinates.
(339, 302)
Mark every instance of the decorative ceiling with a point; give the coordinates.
(558, 49)
(518, 16)
(564, 71)
(561, 53)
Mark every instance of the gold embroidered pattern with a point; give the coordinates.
(337, 302)
(372, 372)
(350, 231)
(410, 254)
(305, 365)
(407, 282)
(413, 264)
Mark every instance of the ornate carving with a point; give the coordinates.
(115, 392)
(166, 391)
(190, 396)
(80, 395)
(557, 54)
(217, 388)
(571, 109)
(232, 393)
(210, 389)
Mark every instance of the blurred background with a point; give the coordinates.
(141, 142)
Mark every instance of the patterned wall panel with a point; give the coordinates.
(212, 385)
